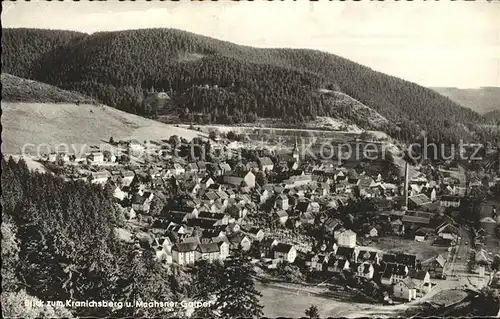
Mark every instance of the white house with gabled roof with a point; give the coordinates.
(347, 238)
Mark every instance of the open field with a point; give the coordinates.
(15, 89)
(423, 250)
(44, 123)
(280, 302)
(448, 297)
(292, 302)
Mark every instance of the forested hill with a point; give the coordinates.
(23, 49)
(230, 83)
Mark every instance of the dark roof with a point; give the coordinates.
(138, 199)
(354, 266)
(238, 174)
(442, 242)
(176, 216)
(417, 274)
(267, 242)
(424, 231)
(209, 233)
(331, 223)
(365, 181)
(283, 248)
(367, 255)
(423, 214)
(236, 238)
(185, 247)
(208, 248)
(406, 259)
(439, 259)
(253, 230)
(382, 203)
(400, 270)
(209, 215)
(160, 224)
(389, 258)
(201, 222)
(450, 198)
(346, 252)
(302, 206)
(191, 239)
(214, 186)
(419, 199)
(265, 161)
(389, 270)
(408, 283)
(340, 262)
(211, 195)
(415, 220)
(398, 213)
(366, 267)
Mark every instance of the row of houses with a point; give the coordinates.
(406, 280)
(217, 246)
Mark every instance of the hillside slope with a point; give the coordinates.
(16, 89)
(481, 100)
(229, 83)
(46, 123)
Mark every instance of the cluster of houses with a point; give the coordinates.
(408, 276)
(221, 203)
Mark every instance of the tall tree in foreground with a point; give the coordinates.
(312, 312)
(143, 280)
(10, 256)
(207, 279)
(238, 296)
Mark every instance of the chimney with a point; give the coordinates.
(407, 172)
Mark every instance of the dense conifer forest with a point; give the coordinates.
(59, 243)
(228, 83)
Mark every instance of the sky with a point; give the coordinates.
(433, 43)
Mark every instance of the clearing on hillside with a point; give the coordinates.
(16, 89)
(45, 123)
